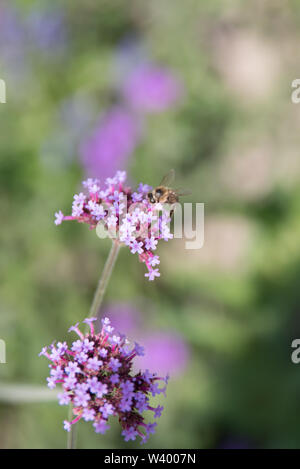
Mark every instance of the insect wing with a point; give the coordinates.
(168, 179)
(182, 192)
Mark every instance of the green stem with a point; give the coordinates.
(104, 279)
(97, 301)
(72, 435)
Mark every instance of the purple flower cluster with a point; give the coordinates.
(95, 374)
(123, 214)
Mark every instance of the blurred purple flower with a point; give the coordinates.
(143, 88)
(124, 317)
(166, 352)
(151, 89)
(109, 147)
(43, 28)
(12, 44)
(12, 32)
(47, 29)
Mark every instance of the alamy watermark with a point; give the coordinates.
(2, 91)
(295, 96)
(185, 225)
(2, 351)
(295, 356)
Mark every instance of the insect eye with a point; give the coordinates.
(158, 192)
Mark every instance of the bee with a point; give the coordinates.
(163, 193)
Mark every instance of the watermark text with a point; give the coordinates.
(2, 351)
(2, 91)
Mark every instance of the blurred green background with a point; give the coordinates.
(232, 134)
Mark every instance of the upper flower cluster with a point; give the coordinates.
(124, 214)
(95, 373)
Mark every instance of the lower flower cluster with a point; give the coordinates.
(97, 379)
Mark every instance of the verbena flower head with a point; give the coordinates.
(96, 377)
(124, 214)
